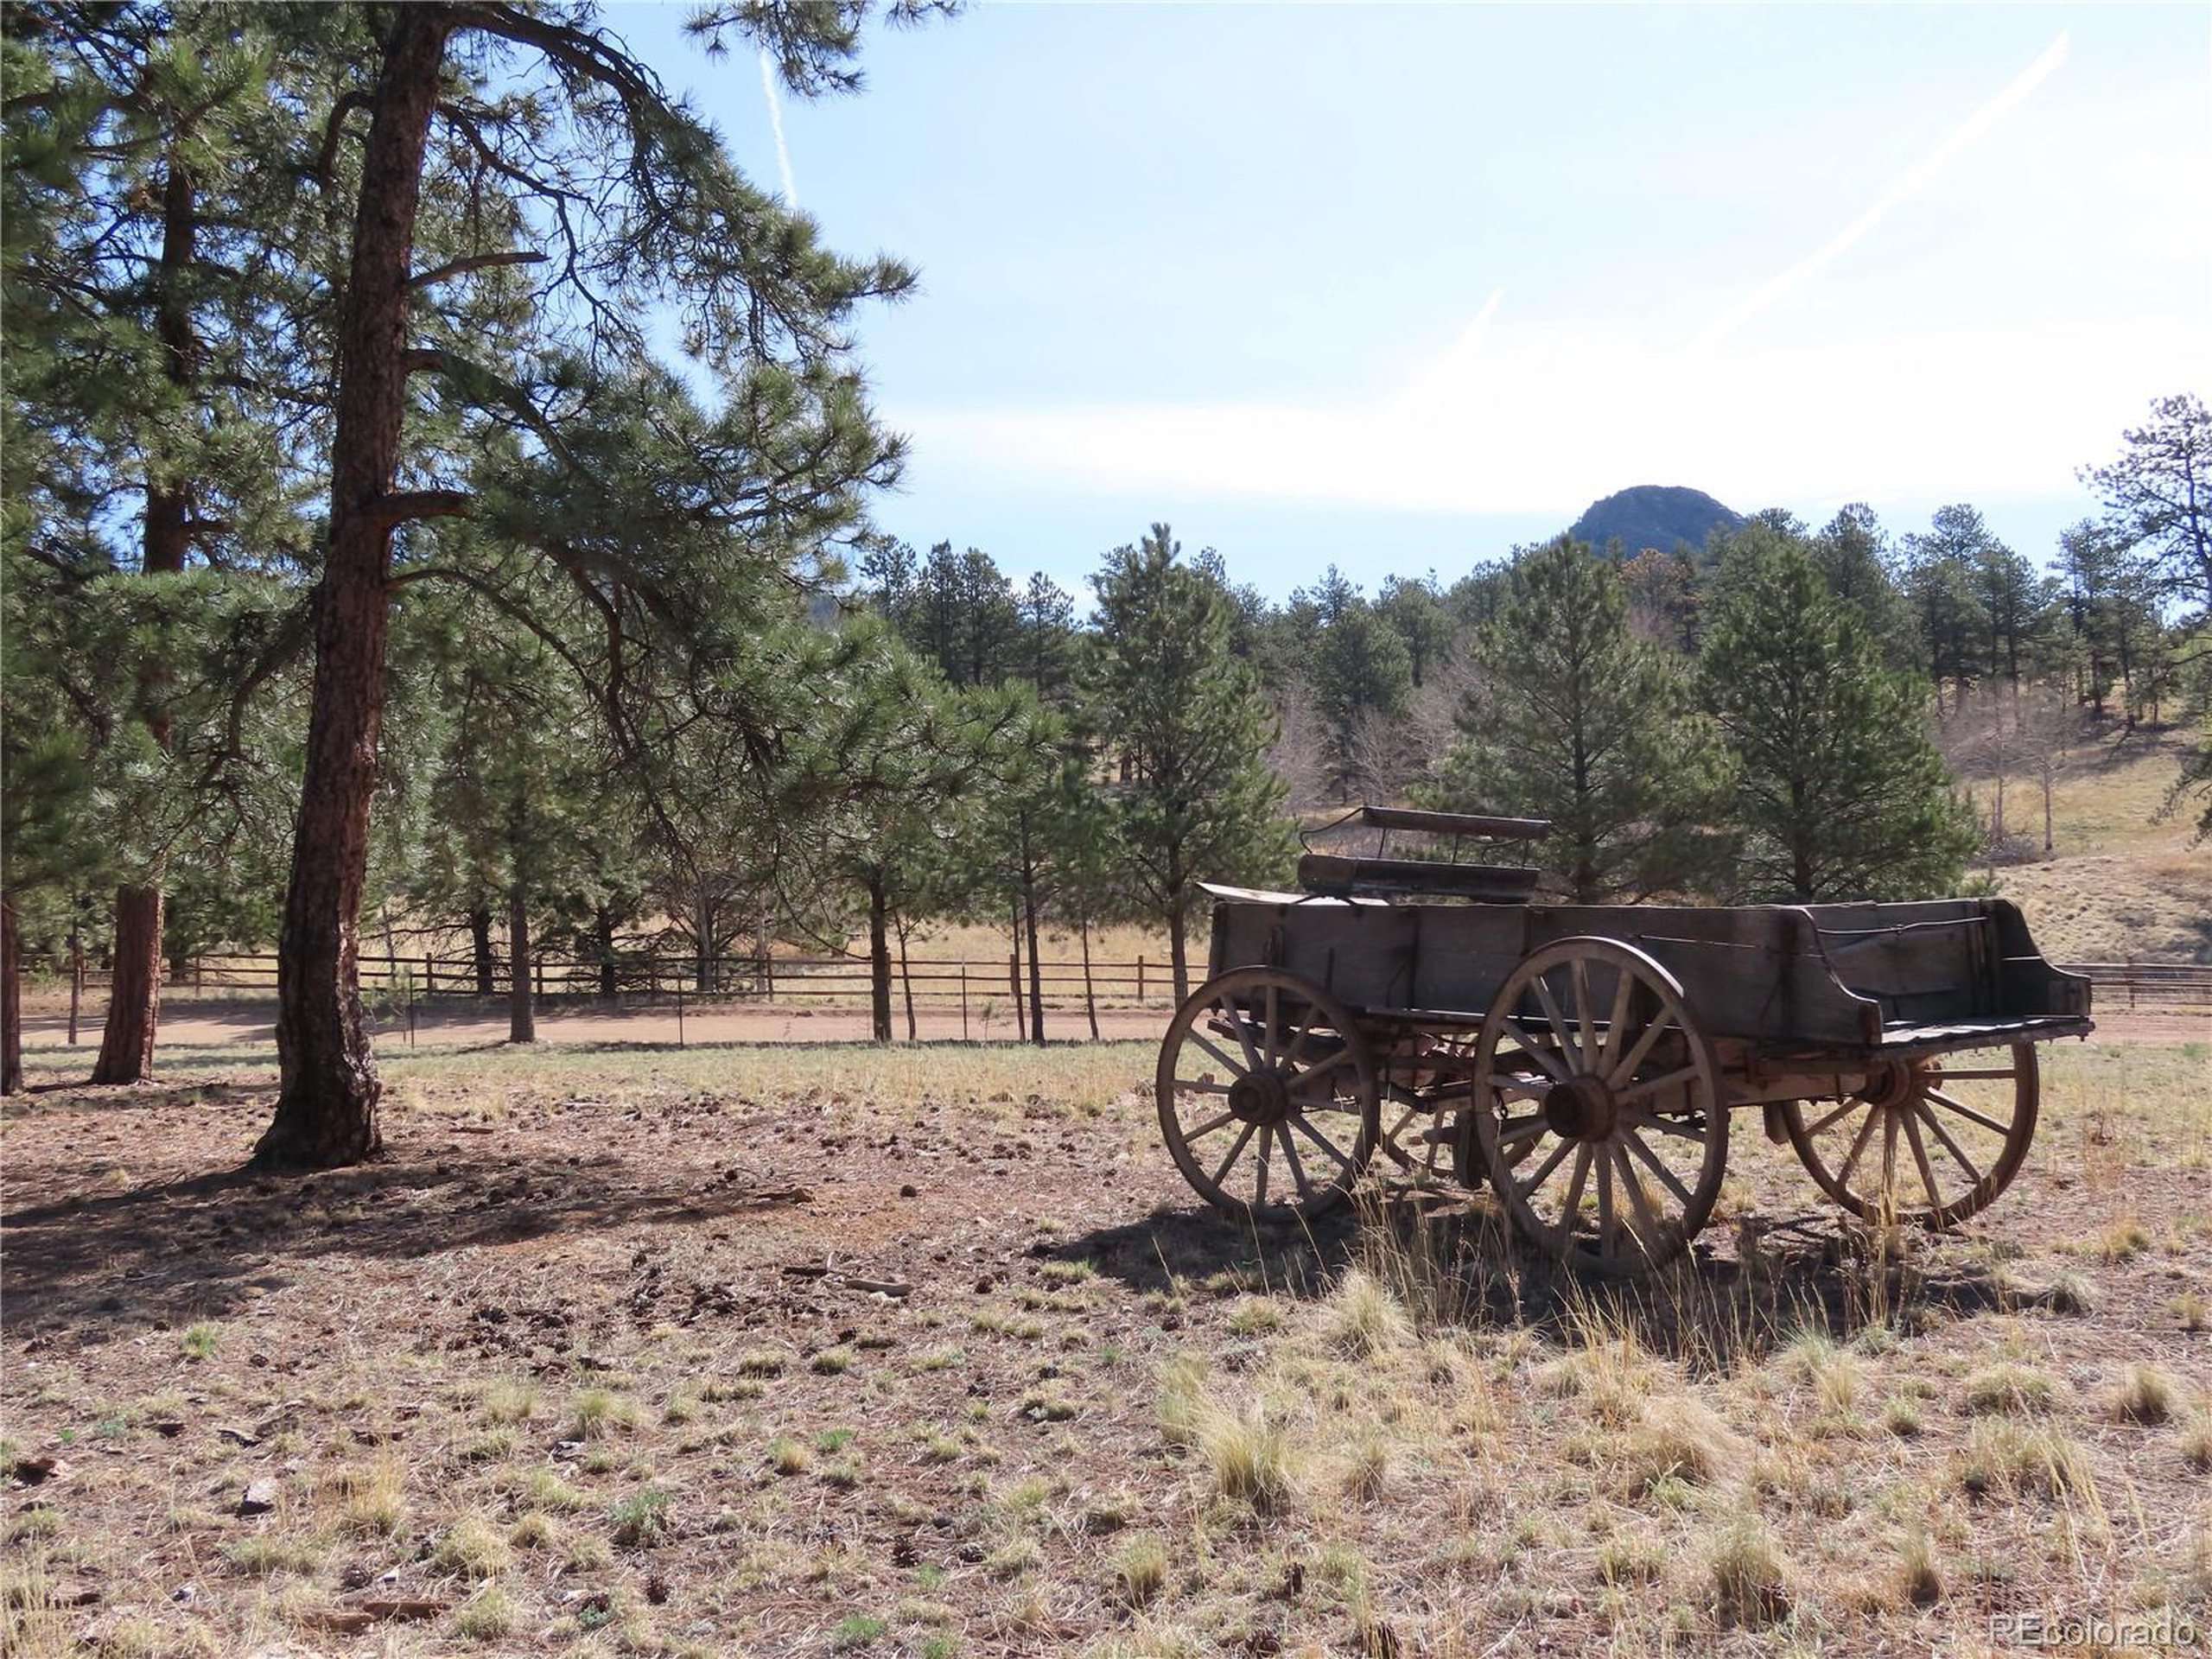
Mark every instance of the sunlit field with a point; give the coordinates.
(824, 1348)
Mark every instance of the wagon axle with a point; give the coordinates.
(1582, 1109)
(1262, 1097)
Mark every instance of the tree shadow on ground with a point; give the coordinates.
(198, 1243)
(1730, 1301)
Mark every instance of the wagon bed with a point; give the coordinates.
(1585, 1061)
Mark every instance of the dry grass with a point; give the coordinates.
(589, 1417)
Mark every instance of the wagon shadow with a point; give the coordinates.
(1457, 1269)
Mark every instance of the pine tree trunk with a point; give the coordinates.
(1179, 958)
(11, 1000)
(1036, 969)
(1090, 997)
(135, 993)
(610, 985)
(134, 1007)
(878, 963)
(907, 984)
(326, 1114)
(522, 1010)
(479, 942)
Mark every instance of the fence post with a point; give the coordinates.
(539, 969)
(429, 975)
(199, 974)
(964, 1001)
(768, 972)
(1139, 979)
(1014, 984)
(679, 1016)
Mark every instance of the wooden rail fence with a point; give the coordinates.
(935, 981)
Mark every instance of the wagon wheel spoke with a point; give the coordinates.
(1243, 1027)
(1206, 1043)
(1644, 1043)
(1202, 1085)
(1321, 1069)
(1675, 1126)
(1208, 1127)
(1570, 1206)
(1551, 1067)
(1653, 1085)
(1637, 1201)
(1297, 1169)
(1543, 1171)
(1658, 1166)
(1235, 1151)
(1919, 1157)
(1562, 1033)
(1837, 1115)
(1272, 1041)
(1324, 1142)
(1267, 1157)
(1298, 1048)
(1859, 1146)
(1617, 1021)
(1515, 1130)
(1943, 1139)
(1940, 1075)
(1967, 1112)
(1578, 981)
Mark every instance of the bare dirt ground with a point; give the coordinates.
(798, 1349)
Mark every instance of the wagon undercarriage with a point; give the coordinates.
(1585, 1062)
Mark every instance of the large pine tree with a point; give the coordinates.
(1839, 794)
(1577, 720)
(1187, 719)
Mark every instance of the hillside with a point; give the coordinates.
(1655, 515)
(2122, 886)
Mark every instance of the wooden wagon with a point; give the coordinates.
(1586, 1060)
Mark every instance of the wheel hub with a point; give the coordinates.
(1897, 1084)
(1261, 1098)
(1582, 1109)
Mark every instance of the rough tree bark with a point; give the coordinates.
(1036, 972)
(127, 1047)
(480, 940)
(11, 1000)
(610, 985)
(906, 983)
(1178, 956)
(522, 1010)
(134, 1003)
(1090, 996)
(879, 962)
(327, 1112)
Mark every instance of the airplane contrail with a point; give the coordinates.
(776, 125)
(1913, 178)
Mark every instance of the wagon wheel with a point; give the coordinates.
(1929, 1140)
(1599, 1114)
(1267, 1094)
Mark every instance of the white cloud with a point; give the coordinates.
(1547, 416)
(774, 95)
(1914, 179)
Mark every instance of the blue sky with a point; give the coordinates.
(1398, 287)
